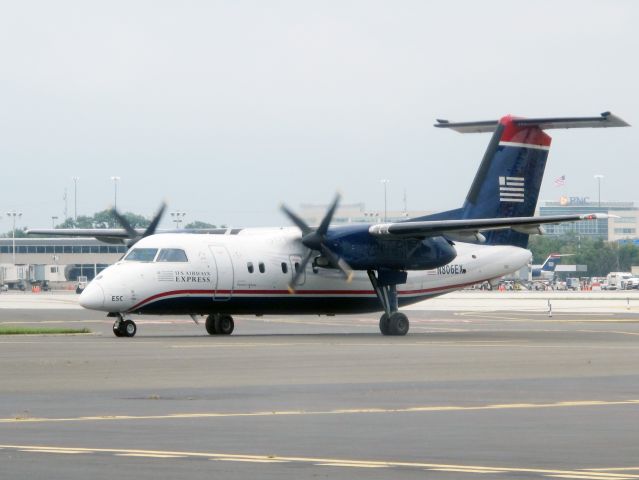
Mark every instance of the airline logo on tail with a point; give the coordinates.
(511, 189)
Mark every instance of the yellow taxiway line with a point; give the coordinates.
(330, 462)
(344, 411)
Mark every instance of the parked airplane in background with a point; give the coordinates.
(546, 271)
(347, 268)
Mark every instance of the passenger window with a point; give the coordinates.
(249, 265)
(141, 255)
(172, 255)
(284, 267)
(261, 266)
(297, 267)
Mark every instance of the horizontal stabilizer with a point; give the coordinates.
(606, 119)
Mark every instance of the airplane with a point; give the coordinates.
(546, 271)
(341, 269)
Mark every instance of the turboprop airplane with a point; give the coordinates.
(354, 268)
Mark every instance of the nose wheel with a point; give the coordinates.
(124, 327)
(218, 324)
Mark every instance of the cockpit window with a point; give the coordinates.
(172, 255)
(141, 255)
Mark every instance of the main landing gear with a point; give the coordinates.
(218, 324)
(385, 284)
(124, 327)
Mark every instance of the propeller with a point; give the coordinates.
(315, 240)
(134, 235)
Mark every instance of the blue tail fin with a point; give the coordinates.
(551, 262)
(509, 177)
(508, 180)
(546, 270)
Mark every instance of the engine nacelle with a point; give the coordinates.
(363, 251)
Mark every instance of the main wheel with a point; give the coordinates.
(129, 328)
(384, 325)
(210, 325)
(224, 324)
(398, 324)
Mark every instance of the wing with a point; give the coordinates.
(117, 235)
(472, 227)
(107, 235)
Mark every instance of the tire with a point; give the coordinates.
(224, 324)
(129, 328)
(210, 325)
(398, 324)
(384, 325)
(118, 331)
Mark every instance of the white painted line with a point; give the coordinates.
(353, 465)
(46, 450)
(250, 460)
(149, 455)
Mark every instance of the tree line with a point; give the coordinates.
(601, 257)
(106, 219)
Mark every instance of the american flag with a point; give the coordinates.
(560, 181)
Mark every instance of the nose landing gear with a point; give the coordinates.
(123, 327)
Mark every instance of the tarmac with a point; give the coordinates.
(486, 385)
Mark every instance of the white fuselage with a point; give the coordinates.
(249, 273)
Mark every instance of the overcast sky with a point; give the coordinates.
(227, 108)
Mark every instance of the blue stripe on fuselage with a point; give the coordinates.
(241, 305)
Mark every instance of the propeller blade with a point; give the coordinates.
(125, 224)
(301, 224)
(326, 221)
(150, 230)
(338, 262)
(299, 272)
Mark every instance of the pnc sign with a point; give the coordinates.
(563, 200)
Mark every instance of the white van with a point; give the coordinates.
(618, 280)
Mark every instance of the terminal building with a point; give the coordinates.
(354, 213)
(622, 226)
(54, 260)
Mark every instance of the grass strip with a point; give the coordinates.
(18, 330)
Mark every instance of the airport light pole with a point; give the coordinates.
(385, 182)
(75, 198)
(13, 215)
(178, 217)
(599, 177)
(115, 191)
(53, 219)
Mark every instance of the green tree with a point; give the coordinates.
(19, 233)
(199, 224)
(104, 219)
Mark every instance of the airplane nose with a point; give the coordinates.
(92, 297)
